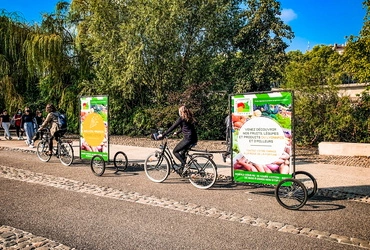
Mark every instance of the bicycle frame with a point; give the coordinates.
(166, 152)
(200, 168)
(63, 150)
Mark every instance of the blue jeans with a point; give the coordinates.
(29, 129)
(6, 126)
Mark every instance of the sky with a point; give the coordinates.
(314, 22)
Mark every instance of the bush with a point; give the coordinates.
(327, 117)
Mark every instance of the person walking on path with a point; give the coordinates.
(5, 123)
(28, 126)
(17, 124)
(39, 119)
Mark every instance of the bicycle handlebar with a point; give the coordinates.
(44, 130)
(158, 136)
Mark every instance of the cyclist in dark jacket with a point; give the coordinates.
(186, 122)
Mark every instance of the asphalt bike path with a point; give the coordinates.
(346, 179)
(340, 178)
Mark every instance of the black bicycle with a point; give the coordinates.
(63, 150)
(201, 169)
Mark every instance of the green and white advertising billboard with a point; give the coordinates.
(262, 138)
(94, 127)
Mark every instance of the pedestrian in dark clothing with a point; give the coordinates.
(17, 124)
(39, 119)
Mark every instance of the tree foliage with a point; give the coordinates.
(145, 52)
(149, 56)
(262, 47)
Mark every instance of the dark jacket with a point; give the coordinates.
(187, 128)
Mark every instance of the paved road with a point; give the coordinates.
(126, 211)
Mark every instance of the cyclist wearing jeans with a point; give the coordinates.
(187, 123)
(51, 120)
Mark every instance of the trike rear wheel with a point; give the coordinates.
(291, 194)
(97, 165)
(308, 180)
(120, 161)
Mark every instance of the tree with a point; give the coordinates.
(316, 69)
(14, 77)
(144, 52)
(262, 46)
(357, 52)
(50, 51)
(150, 54)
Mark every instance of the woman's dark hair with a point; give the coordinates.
(51, 107)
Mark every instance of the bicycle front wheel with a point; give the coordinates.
(66, 154)
(291, 194)
(120, 161)
(42, 151)
(157, 167)
(97, 165)
(202, 172)
(308, 180)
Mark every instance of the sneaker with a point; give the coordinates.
(22, 138)
(223, 157)
(10, 138)
(19, 139)
(31, 146)
(6, 138)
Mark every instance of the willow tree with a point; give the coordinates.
(50, 52)
(15, 79)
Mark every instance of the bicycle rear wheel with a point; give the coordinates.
(97, 165)
(66, 154)
(291, 194)
(202, 172)
(308, 180)
(42, 151)
(157, 167)
(120, 161)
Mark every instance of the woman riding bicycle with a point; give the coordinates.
(52, 121)
(187, 123)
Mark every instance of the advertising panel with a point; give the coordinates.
(262, 138)
(94, 127)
